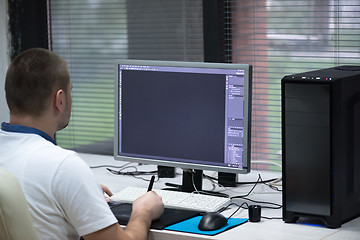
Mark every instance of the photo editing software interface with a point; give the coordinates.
(182, 116)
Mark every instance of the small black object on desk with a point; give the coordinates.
(254, 213)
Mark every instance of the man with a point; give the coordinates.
(63, 195)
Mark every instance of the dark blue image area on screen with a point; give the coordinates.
(176, 115)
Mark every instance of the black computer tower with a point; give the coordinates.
(321, 145)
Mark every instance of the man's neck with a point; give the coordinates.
(40, 123)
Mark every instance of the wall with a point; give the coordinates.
(4, 59)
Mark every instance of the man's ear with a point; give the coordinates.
(60, 100)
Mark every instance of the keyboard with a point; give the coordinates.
(175, 199)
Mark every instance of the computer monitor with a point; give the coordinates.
(191, 115)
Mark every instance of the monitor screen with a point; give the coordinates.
(189, 115)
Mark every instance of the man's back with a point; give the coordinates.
(63, 195)
(60, 189)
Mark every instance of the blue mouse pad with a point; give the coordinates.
(191, 226)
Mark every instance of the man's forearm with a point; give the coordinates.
(138, 227)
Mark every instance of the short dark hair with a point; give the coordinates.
(31, 78)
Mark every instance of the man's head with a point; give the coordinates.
(31, 79)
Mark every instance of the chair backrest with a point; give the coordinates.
(15, 218)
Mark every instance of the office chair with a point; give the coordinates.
(15, 218)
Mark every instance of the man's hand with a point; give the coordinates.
(107, 192)
(149, 203)
(145, 209)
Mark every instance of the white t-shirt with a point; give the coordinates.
(63, 195)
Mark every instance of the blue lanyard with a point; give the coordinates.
(23, 129)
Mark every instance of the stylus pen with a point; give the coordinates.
(151, 183)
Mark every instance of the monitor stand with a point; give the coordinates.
(190, 176)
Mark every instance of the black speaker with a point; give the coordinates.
(166, 172)
(321, 145)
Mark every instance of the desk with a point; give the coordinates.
(265, 229)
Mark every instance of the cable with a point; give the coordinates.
(271, 218)
(247, 207)
(271, 163)
(134, 174)
(244, 203)
(259, 202)
(277, 206)
(258, 180)
(273, 183)
(119, 172)
(193, 180)
(205, 192)
(242, 183)
(101, 166)
(216, 193)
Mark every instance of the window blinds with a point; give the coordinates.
(278, 37)
(90, 34)
(282, 37)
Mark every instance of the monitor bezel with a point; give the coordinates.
(185, 165)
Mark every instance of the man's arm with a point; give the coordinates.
(145, 209)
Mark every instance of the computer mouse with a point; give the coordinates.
(212, 221)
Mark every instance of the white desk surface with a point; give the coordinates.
(265, 229)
